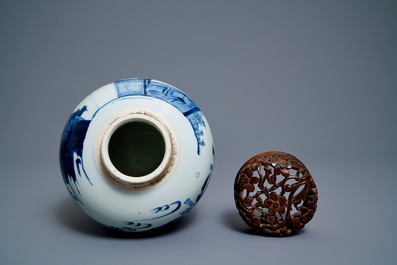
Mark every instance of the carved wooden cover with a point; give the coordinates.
(275, 193)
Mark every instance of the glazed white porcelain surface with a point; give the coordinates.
(183, 174)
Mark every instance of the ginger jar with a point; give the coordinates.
(136, 154)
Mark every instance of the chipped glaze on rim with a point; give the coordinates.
(140, 182)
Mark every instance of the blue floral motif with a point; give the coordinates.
(171, 95)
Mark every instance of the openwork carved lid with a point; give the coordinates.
(275, 193)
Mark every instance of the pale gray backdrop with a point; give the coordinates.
(317, 79)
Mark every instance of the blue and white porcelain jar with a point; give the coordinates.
(136, 154)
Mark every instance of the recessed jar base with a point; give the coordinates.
(136, 149)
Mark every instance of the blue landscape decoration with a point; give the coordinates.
(171, 95)
(76, 128)
(72, 143)
(74, 134)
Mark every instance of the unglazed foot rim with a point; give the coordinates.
(136, 182)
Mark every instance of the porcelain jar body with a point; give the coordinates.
(136, 154)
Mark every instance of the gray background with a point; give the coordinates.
(316, 79)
